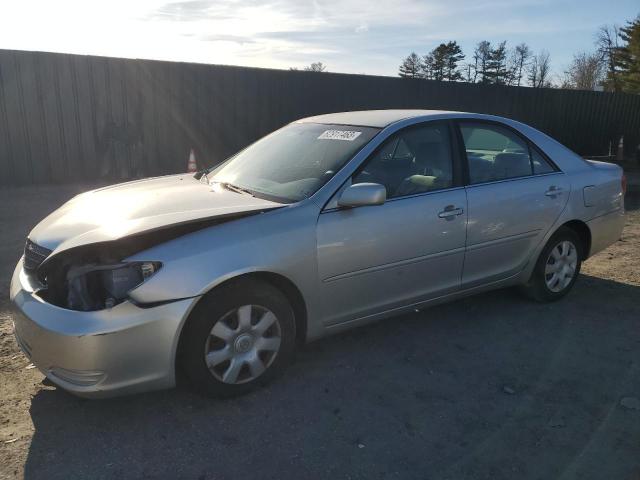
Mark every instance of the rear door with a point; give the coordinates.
(514, 194)
(376, 258)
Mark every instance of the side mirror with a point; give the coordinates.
(363, 194)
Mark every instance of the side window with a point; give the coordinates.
(494, 153)
(414, 160)
(540, 164)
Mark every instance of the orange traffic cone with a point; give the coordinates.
(192, 167)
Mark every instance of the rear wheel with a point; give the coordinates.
(557, 267)
(239, 337)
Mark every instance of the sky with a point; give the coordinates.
(349, 36)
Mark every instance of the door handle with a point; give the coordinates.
(450, 211)
(553, 191)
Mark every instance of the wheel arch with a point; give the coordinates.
(584, 233)
(293, 294)
(282, 283)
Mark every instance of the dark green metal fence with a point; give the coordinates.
(69, 118)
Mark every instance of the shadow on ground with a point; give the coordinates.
(489, 387)
(632, 198)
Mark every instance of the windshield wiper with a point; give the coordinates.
(237, 188)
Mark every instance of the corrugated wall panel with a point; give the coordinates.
(66, 118)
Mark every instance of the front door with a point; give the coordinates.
(411, 248)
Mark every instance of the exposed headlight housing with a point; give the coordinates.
(94, 287)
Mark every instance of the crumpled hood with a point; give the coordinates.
(140, 206)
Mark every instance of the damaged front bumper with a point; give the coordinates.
(121, 350)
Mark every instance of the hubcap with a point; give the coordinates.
(561, 266)
(243, 344)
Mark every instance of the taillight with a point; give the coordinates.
(623, 182)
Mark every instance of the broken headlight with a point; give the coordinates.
(94, 286)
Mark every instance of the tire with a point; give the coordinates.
(239, 337)
(542, 286)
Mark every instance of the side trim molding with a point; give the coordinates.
(399, 263)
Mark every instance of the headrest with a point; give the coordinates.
(512, 164)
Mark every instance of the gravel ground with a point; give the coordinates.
(491, 387)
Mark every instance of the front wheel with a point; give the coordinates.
(238, 337)
(557, 267)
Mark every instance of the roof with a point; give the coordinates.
(372, 118)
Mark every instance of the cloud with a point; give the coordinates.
(189, 10)
(292, 29)
(347, 35)
(415, 24)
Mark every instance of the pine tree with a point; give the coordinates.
(427, 66)
(453, 59)
(439, 61)
(411, 67)
(628, 58)
(442, 62)
(496, 67)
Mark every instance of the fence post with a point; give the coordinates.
(620, 153)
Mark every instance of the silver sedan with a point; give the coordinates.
(331, 222)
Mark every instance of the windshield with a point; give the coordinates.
(292, 163)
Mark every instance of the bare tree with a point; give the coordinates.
(468, 73)
(481, 57)
(519, 61)
(544, 69)
(532, 73)
(540, 70)
(608, 45)
(316, 67)
(586, 71)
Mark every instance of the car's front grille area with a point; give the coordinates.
(34, 255)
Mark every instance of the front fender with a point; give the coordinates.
(281, 241)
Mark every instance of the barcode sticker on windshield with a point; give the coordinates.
(348, 135)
